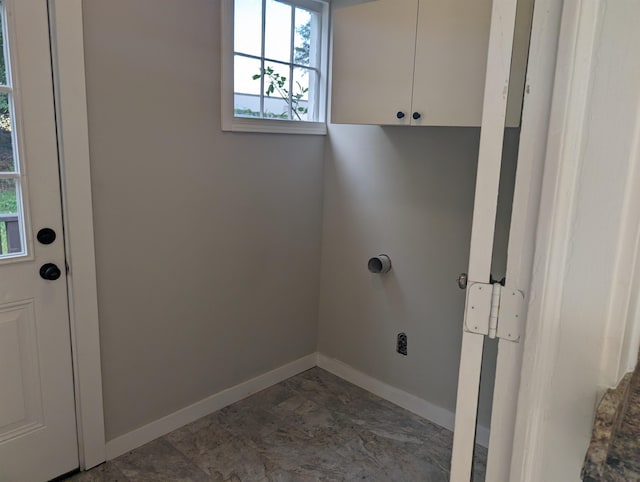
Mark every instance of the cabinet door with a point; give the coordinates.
(374, 48)
(451, 61)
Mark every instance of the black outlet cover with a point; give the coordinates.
(401, 346)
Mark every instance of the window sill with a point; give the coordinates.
(240, 124)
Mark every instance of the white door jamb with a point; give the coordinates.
(67, 50)
(562, 164)
(531, 154)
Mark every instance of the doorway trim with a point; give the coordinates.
(553, 236)
(67, 51)
(558, 237)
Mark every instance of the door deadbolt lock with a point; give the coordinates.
(46, 236)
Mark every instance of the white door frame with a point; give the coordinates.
(559, 239)
(531, 155)
(553, 234)
(73, 141)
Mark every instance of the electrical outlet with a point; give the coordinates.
(401, 346)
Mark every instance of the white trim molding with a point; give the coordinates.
(182, 417)
(564, 147)
(622, 332)
(438, 415)
(582, 320)
(73, 144)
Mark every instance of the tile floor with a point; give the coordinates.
(312, 427)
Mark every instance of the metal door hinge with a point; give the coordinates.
(494, 310)
(511, 315)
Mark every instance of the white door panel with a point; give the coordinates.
(37, 411)
(482, 232)
(522, 235)
(20, 397)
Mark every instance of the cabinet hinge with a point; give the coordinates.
(494, 310)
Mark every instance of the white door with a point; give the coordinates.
(37, 410)
(478, 319)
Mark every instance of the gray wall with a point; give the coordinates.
(207, 243)
(406, 192)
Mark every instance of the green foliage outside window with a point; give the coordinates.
(278, 84)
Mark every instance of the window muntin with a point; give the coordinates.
(277, 59)
(12, 228)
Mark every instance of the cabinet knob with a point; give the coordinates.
(400, 115)
(416, 115)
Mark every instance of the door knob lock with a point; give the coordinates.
(50, 271)
(462, 281)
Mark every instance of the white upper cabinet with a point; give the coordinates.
(419, 62)
(373, 53)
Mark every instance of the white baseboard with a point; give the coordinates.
(433, 413)
(163, 426)
(182, 417)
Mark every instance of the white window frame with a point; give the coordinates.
(276, 126)
(18, 175)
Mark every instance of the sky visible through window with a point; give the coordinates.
(248, 36)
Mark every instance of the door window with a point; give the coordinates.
(12, 237)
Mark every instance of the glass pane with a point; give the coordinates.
(304, 87)
(278, 31)
(276, 108)
(3, 69)
(276, 91)
(8, 196)
(7, 161)
(10, 222)
(248, 27)
(306, 37)
(245, 69)
(246, 88)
